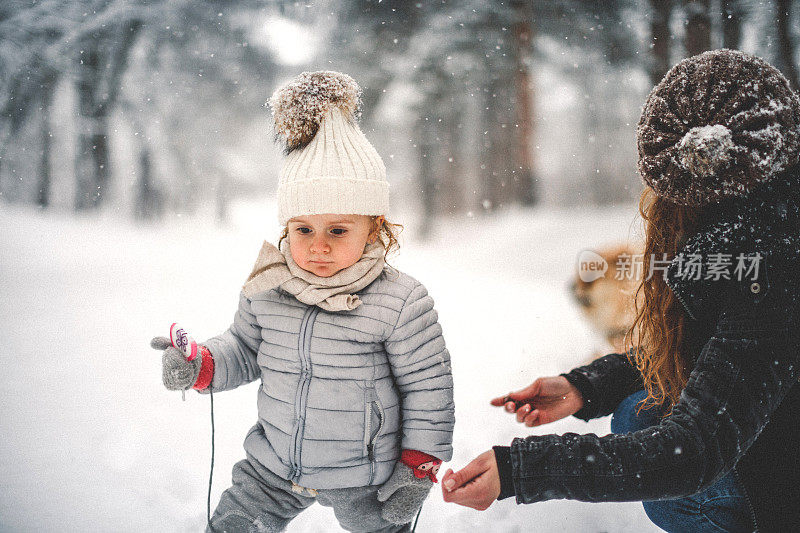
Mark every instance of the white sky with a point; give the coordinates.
(293, 43)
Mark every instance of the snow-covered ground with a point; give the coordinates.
(91, 441)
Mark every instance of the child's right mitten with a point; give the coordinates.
(403, 495)
(407, 488)
(180, 374)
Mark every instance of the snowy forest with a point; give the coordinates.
(138, 171)
(133, 106)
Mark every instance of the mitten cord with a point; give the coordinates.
(211, 470)
(416, 519)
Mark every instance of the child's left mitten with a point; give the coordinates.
(406, 489)
(180, 374)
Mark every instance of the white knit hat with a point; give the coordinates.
(331, 167)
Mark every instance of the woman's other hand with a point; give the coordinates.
(477, 485)
(545, 400)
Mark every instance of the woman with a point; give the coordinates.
(705, 408)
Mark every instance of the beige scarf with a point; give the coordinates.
(276, 268)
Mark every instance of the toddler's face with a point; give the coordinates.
(326, 244)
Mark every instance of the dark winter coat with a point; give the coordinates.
(740, 409)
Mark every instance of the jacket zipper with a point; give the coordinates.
(301, 397)
(373, 402)
(747, 498)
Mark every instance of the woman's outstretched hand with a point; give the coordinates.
(477, 485)
(543, 401)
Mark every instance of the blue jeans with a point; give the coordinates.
(720, 507)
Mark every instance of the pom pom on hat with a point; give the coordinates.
(299, 106)
(706, 150)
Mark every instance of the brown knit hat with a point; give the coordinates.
(717, 125)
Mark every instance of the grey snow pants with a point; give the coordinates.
(261, 502)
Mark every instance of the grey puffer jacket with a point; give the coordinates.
(341, 392)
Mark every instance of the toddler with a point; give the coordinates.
(355, 406)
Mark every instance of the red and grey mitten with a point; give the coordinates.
(180, 373)
(406, 490)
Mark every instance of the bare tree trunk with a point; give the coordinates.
(523, 131)
(149, 204)
(43, 189)
(87, 165)
(98, 86)
(698, 27)
(144, 186)
(427, 178)
(93, 149)
(786, 48)
(488, 178)
(731, 23)
(452, 188)
(598, 184)
(499, 117)
(660, 36)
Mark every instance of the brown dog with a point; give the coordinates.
(608, 301)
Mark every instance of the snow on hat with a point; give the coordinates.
(330, 166)
(717, 125)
